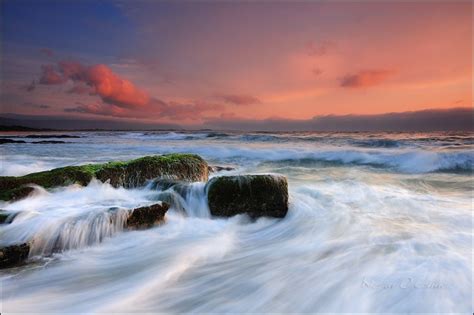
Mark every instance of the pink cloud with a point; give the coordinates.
(365, 78)
(121, 98)
(111, 88)
(50, 76)
(239, 99)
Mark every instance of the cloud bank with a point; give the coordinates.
(119, 97)
(457, 119)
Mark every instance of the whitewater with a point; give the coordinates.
(377, 223)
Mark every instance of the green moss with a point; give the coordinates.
(132, 173)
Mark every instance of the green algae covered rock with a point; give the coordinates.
(255, 195)
(134, 173)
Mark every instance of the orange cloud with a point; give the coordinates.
(365, 78)
(111, 88)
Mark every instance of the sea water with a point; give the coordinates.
(377, 223)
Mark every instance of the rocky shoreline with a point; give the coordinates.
(254, 195)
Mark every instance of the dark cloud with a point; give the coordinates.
(36, 106)
(426, 120)
(98, 109)
(155, 110)
(365, 78)
(68, 123)
(239, 99)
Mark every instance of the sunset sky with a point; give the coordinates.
(195, 62)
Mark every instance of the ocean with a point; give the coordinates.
(377, 223)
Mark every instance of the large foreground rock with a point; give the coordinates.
(184, 167)
(13, 255)
(256, 195)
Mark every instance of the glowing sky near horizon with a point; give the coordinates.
(191, 62)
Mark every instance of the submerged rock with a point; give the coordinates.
(13, 255)
(50, 136)
(4, 141)
(256, 195)
(135, 173)
(49, 142)
(145, 217)
(7, 216)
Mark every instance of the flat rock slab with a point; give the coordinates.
(255, 195)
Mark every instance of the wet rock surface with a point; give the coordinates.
(255, 195)
(13, 255)
(146, 217)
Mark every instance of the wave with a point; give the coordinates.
(69, 217)
(407, 162)
(323, 240)
(402, 160)
(377, 143)
(164, 136)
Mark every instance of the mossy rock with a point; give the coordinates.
(134, 173)
(255, 195)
